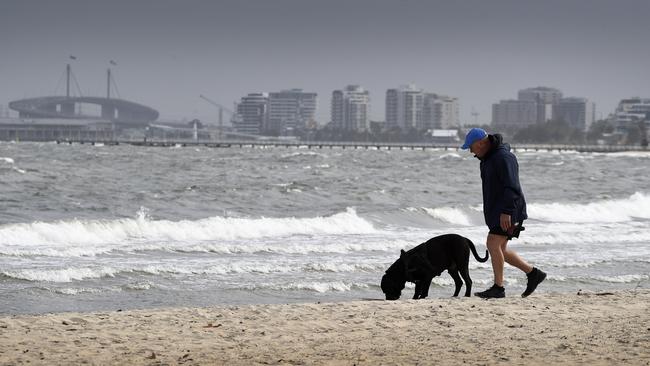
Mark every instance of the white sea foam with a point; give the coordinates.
(138, 286)
(450, 156)
(303, 153)
(7, 160)
(60, 235)
(315, 286)
(74, 290)
(628, 154)
(342, 267)
(623, 278)
(633, 278)
(601, 211)
(615, 210)
(61, 275)
(450, 215)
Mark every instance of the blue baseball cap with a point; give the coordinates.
(473, 135)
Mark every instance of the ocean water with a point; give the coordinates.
(119, 227)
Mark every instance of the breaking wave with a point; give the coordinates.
(636, 206)
(143, 229)
(615, 210)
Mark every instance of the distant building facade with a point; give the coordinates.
(545, 98)
(541, 104)
(351, 108)
(411, 108)
(514, 114)
(576, 112)
(55, 129)
(290, 110)
(445, 136)
(445, 112)
(631, 111)
(251, 113)
(404, 107)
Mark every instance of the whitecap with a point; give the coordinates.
(613, 210)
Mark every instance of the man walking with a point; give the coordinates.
(504, 208)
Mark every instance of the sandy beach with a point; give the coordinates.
(584, 328)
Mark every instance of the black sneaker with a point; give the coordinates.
(494, 292)
(535, 277)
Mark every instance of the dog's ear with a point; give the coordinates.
(402, 253)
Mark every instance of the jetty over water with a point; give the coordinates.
(364, 145)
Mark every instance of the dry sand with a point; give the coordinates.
(590, 329)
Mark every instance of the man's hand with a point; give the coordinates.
(505, 222)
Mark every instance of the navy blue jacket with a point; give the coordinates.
(501, 189)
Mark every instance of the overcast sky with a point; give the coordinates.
(170, 52)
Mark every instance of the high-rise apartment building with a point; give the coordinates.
(351, 108)
(514, 114)
(576, 112)
(409, 107)
(545, 98)
(392, 109)
(440, 112)
(251, 113)
(404, 107)
(290, 110)
(630, 111)
(540, 94)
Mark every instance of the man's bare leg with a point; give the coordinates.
(495, 245)
(513, 259)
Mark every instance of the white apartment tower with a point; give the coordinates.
(351, 108)
(409, 107)
(440, 112)
(404, 107)
(290, 110)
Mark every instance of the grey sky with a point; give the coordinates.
(169, 52)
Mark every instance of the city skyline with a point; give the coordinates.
(168, 53)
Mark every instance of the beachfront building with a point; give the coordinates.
(545, 98)
(630, 111)
(404, 107)
(576, 112)
(440, 112)
(351, 108)
(251, 113)
(289, 111)
(514, 114)
(408, 107)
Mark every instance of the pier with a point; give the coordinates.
(363, 145)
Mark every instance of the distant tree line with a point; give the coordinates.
(559, 132)
(550, 132)
(374, 134)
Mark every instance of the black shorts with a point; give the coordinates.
(513, 232)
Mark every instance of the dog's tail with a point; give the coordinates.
(473, 248)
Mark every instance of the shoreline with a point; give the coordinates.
(548, 328)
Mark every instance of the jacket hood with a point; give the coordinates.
(497, 143)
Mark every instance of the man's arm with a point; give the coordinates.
(508, 173)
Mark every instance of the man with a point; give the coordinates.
(504, 208)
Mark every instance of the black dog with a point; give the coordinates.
(419, 265)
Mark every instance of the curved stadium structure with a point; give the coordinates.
(113, 110)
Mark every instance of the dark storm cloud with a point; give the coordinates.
(169, 52)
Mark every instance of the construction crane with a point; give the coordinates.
(221, 109)
(235, 116)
